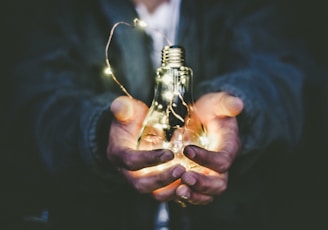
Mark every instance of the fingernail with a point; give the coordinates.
(235, 105)
(190, 180)
(189, 152)
(183, 192)
(178, 171)
(166, 156)
(122, 109)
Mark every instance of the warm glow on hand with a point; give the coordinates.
(217, 112)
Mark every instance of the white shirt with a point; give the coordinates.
(161, 25)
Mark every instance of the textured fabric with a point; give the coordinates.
(62, 98)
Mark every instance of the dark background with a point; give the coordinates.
(302, 187)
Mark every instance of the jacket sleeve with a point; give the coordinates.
(60, 102)
(262, 67)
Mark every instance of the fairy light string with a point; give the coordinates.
(177, 145)
(137, 23)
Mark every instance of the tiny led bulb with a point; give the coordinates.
(168, 95)
(204, 140)
(139, 23)
(167, 79)
(108, 71)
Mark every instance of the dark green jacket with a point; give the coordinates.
(62, 98)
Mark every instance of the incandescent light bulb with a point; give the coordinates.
(171, 122)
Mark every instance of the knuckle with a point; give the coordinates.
(130, 162)
(140, 188)
(110, 154)
(152, 159)
(224, 166)
(129, 165)
(207, 200)
(224, 162)
(222, 186)
(160, 181)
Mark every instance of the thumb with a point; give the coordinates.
(229, 105)
(126, 109)
(122, 108)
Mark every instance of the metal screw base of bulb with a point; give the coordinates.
(173, 56)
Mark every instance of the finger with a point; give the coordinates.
(123, 136)
(219, 104)
(137, 159)
(228, 105)
(213, 184)
(185, 194)
(217, 161)
(223, 135)
(129, 114)
(166, 193)
(146, 183)
(126, 109)
(122, 108)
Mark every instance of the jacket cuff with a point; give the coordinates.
(95, 124)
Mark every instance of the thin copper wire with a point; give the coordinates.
(107, 58)
(136, 22)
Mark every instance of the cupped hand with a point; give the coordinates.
(217, 112)
(121, 152)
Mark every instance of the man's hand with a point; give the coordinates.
(217, 112)
(121, 151)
